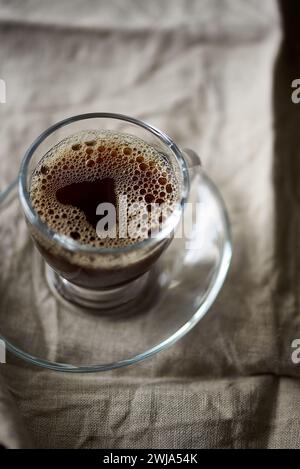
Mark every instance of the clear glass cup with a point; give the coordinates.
(88, 276)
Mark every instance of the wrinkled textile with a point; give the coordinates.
(216, 76)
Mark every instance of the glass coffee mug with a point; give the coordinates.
(101, 277)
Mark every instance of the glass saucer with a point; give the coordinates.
(47, 331)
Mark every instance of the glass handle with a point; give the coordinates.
(192, 158)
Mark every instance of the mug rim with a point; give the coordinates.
(71, 244)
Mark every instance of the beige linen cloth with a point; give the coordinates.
(216, 77)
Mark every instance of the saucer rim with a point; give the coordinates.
(207, 301)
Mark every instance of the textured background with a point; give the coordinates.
(216, 76)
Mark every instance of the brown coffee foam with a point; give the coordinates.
(138, 170)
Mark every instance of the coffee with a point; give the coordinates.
(95, 167)
(85, 171)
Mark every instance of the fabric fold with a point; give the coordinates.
(13, 433)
